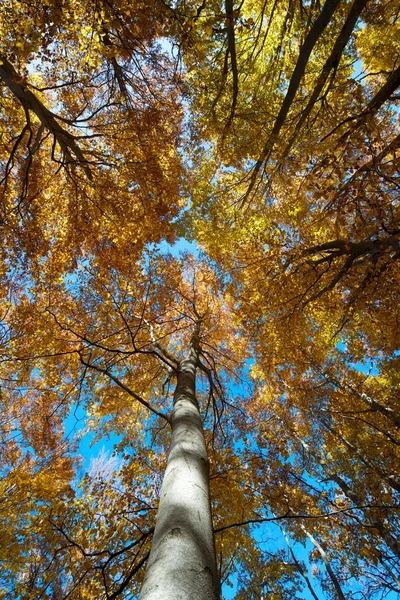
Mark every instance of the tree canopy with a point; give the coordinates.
(265, 133)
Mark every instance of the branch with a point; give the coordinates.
(166, 356)
(48, 119)
(299, 567)
(326, 563)
(312, 37)
(118, 350)
(355, 252)
(111, 555)
(376, 406)
(331, 63)
(370, 464)
(125, 388)
(372, 164)
(230, 34)
(127, 579)
(382, 95)
(329, 515)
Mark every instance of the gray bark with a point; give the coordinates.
(182, 563)
(326, 562)
(299, 566)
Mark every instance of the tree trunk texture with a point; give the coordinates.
(182, 563)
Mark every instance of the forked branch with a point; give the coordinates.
(48, 119)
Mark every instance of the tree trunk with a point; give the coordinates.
(182, 563)
(326, 562)
(299, 566)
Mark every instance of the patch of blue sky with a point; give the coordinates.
(271, 541)
(89, 449)
(362, 76)
(179, 247)
(367, 365)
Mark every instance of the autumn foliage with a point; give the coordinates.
(266, 135)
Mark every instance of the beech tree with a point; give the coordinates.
(247, 392)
